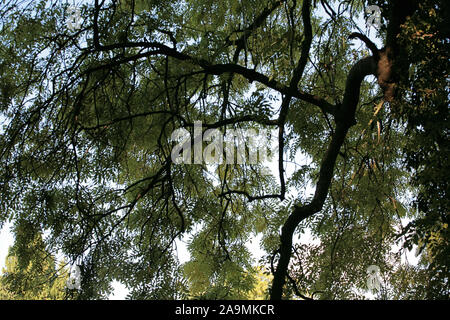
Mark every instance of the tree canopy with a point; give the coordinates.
(87, 114)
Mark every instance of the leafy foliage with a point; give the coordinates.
(85, 147)
(31, 273)
(427, 152)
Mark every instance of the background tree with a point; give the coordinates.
(426, 115)
(30, 272)
(86, 142)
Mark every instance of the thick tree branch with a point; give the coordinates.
(368, 43)
(344, 118)
(215, 69)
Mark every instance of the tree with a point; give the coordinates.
(86, 148)
(427, 151)
(31, 273)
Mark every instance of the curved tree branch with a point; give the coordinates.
(344, 118)
(368, 43)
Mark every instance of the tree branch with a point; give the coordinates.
(344, 120)
(215, 69)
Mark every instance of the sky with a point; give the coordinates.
(6, 238)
